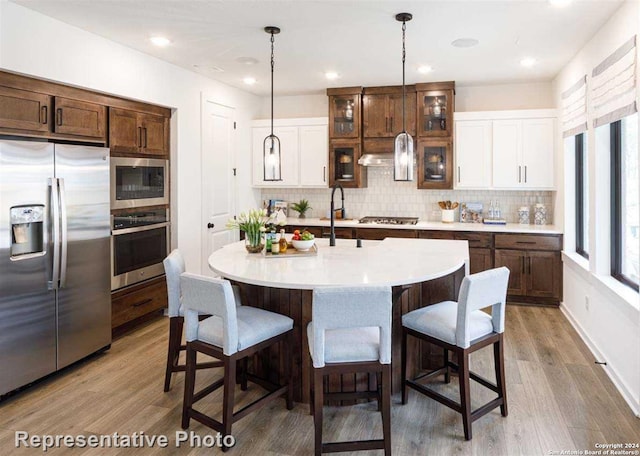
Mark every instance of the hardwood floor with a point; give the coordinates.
(558, 400)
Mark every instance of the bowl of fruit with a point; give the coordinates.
(302, 241)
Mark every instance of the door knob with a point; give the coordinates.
(210, 225)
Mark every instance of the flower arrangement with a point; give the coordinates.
(254, 224)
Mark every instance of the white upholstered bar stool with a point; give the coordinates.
(461, 327)
(350, 332)
(173, 267)
(230, 334)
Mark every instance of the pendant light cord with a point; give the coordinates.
(272, 67)
(404, 94)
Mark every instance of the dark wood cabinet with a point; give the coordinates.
(382, 112)
(480, 250)
(435, 163)
(435, 106)
(80, 118)
(132, 132)
(23, 110)
(344, 112)
(132, 304)
(429, 234)
(378, 234)
(535, 265)
(514, 260)
(343, 164)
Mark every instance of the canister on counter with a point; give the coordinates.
(540, 214)
(523, 215)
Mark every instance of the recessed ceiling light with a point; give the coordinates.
(559, 3)
(464, 42)
(331, 75)
(424, 69)
(247, 60)
(249, 80)
(528, 62)
(160, 41)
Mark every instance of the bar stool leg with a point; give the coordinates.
(173, 353)
(243, 375)
(404, 367)
(189, 385)
(465, 396)
(447, 373)
(227, 400)
(318, 403)
(498, 355)
(386, 408)
(288, 366)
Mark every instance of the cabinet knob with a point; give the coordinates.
(210, 225)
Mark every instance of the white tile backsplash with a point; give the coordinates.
(384, 196)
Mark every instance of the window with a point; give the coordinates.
(625, 211)
(582, 196)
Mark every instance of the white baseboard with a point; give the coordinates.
(609, 369)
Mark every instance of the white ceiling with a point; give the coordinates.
(359, 39)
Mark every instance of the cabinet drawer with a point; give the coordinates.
(476, 240)
(341, 232)
(141, 300)
(528, 242)
(428, 234)
(381, 233)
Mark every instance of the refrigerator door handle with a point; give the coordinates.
(63, 233)
(55, 238)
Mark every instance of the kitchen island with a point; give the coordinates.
(421, 272)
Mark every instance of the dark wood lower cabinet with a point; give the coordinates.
(536, 276)
(382, 233)
(480, 260)
(133, 304)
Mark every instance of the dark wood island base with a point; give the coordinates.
(297, 305)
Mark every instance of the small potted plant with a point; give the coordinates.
(301, 207)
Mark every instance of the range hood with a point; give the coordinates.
(381, 160)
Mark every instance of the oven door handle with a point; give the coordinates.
(138, 229)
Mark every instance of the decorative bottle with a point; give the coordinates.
(283, 242)
(491, 214)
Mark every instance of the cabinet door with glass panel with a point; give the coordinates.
(344, 112)
(435, 109)
(343, 164)
(435, 163)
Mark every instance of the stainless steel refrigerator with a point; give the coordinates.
(55, 303)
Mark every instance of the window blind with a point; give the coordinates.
(613, 91)
(574, 108)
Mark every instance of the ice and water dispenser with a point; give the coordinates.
(27, 231)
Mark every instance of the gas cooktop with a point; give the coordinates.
(389, 220)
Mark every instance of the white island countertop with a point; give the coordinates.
(431, 225)
(390, 262)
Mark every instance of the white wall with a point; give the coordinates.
(497, 97)
(37, 45)
(605, 313)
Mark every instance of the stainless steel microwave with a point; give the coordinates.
(138, 182)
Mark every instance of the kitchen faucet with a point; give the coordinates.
(332, 237)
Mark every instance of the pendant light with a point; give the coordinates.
(403, 155)
(271, 146)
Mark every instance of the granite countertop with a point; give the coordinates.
(436, 226)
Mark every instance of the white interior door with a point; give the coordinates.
(218, 183)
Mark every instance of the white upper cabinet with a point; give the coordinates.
(507, 150)
(517, 146)
(538, 153)
(473, 154)
(314, 155)
(304, 152)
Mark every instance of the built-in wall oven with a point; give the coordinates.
(139, 182)
(139, 243)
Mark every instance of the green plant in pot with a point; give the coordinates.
(301, 207)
